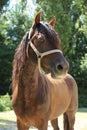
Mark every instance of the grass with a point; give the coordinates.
(8, 119)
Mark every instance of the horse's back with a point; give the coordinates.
(64, 95)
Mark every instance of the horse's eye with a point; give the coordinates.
(41, 40)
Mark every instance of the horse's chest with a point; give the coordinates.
(32, 117)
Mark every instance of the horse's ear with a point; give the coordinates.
(53, 21)
(37, 18)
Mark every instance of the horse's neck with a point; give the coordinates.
(28, 80)
(32, 87)
(29, 73)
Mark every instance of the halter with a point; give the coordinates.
(39, 54)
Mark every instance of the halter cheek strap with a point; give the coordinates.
(40, 55)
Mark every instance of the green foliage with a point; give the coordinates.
(3, 3)
(82, 97)
(83, 72)
(68, 14)
(63, 26)
(13, 25)
(83, 65)
(84, 26)
(5, 103)
(71, 23)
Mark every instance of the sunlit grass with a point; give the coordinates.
(8, 120)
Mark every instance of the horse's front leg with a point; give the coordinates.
(69, 120)
(55, 124)
(43, 125)
(21, 125)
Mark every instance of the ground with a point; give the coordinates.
(8, 121)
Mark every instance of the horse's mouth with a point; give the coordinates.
(54, 74)
(58, 75)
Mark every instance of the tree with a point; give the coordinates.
(13, 25)
(3, 3)
(71, 24)
(59, 9)
(78, 41)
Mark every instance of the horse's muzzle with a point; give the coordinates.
(60, 69)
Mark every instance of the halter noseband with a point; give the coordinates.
(39, 54)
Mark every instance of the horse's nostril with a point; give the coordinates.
(59, 67)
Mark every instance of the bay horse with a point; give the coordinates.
(42, 88)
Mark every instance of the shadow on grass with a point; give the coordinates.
(10, 125)
(7, 122)
(7, 125)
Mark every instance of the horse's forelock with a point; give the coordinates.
(49, 33)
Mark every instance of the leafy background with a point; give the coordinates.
(71, 24)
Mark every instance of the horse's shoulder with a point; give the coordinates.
(70, 81)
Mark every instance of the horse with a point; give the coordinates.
(42, 89)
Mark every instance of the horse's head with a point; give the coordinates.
(44, 48)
